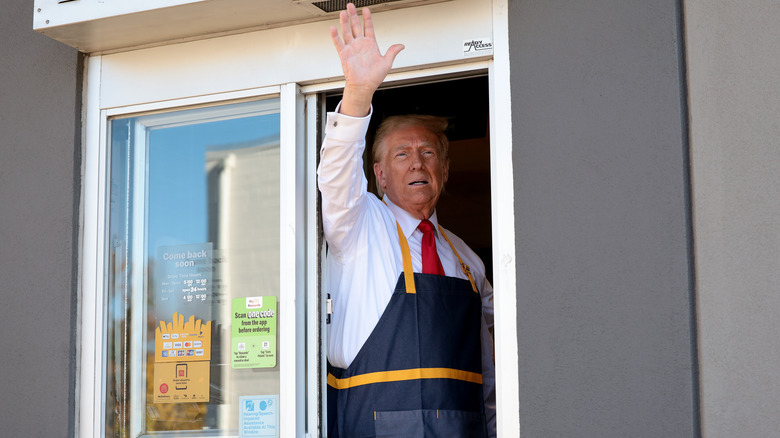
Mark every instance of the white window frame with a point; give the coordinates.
(503, 221)
(502, 214)
(295, 124)
(93, 324)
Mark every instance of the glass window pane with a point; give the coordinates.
(193, 269)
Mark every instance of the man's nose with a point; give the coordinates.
(417, 160)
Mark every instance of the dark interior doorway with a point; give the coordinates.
(464, 206)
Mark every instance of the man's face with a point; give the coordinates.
(412, 170)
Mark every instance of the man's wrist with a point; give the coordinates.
(356, 102)
(344, 128)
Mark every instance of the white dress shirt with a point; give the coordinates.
(364, 255)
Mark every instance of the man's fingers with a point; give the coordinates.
(346, 29)
(368, 23)
(334, 35)
(354, 21)
(392, 52)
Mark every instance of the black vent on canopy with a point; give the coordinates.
(340, 5)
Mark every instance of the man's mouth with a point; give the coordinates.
(418, 183)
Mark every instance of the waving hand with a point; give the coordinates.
(364, 65)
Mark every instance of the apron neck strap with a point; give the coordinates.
(463, 265)
(407, 258)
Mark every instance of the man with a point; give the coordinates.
(409, 347)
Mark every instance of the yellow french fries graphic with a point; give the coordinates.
(180, 341)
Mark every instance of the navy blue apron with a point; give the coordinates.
(419, 373)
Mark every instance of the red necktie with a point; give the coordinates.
(430, 258)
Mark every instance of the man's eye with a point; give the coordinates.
(401, 154)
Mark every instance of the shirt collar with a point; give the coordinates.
(408, 222)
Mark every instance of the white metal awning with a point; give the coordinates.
(104, 25)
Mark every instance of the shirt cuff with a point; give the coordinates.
(346, 128)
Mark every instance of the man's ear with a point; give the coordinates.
(379, 174)
(446, 170)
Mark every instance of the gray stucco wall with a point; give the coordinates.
(39, 101)
(735, 149)
(602, 220)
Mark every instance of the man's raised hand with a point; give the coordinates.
(364, 65)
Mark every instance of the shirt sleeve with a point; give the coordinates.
(341, 179)
(488, 362)
(488, 367)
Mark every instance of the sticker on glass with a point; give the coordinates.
(254, 332)
(259, 416)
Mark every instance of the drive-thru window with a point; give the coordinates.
(201, 310)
